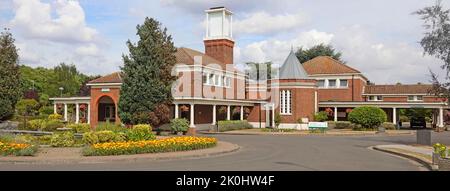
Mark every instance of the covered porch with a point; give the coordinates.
(82, 108)
(207, 112)
(340, 110)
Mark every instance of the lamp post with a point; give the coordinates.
(61, 90)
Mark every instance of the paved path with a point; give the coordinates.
(277, 152)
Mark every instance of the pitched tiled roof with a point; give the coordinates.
(327, 65)
(183, 56)
(398, 89)
(110, 78)
(186, 56)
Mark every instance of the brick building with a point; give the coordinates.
(209, 88)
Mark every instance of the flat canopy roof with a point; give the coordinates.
(433, 105)
(72, 100)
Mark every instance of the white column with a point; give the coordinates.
(394, 115)
(54, 108)
(335, 114)
(441, 117)
(228, 112)
(77, 112)
(192, 112)
(176, 111)
(88, 107)
(316, 108)
(242, 112)
(214, 115)
(273, 115)
(65, 112)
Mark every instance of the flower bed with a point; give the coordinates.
(17, 149)
(150, 146)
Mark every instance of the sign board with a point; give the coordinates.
(318, 124)
(105, 89)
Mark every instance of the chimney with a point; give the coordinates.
(218, 41)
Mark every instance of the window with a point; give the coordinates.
(332, 83)
(415, 98)
(205, 78)
(375, 98)
(217, 80)
(211, 79)
(343, 83)
(321, 83)
(227, 81)
(285, 102)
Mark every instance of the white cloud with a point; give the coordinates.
(34, 19)
(264, 23)
(88, 50)
(277, 50)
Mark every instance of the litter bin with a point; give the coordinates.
(424, 137)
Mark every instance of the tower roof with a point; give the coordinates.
(292, 68)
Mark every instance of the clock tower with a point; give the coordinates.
(219, 41)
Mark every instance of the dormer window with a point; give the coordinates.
(375, 98)
(415, 98)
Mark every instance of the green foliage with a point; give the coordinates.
(321, 116)
(233, 125)
(367, 116)
(46, 110)
(90, 138)
(179, 125)
(80, 127)
(27, 107)
(140, 132)
(343, 125)
(52, 125)
(388, 126)
(65, 139)
(36, 124)
(105, 136)
(150, 80)
(107, 126)
(441, 149)
(10, 88)
(304, 55)
(55, 117)
(403, 118)
(277, 120)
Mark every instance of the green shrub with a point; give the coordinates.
(27, 139)
(277, 120)
(80, 127)
(90, 138)
(140, 133)
(44, 140)
(105, 136)
(233, 125)
(403, 118)
(331, 124)
(107, 126)
(35, 124)
(65, 139)
(367, 116)
(388, 126)
(120, 137)
(179, 125)
(440, 149)
(343, 125)
(55, 116)
(46, 110)
(321, 116)
(52, 125)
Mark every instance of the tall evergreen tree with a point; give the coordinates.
(10, 86)
(304, 55)
(146, 73)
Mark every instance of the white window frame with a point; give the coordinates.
(335, 83)
(285, 102)
(375, 98)
(340, 85)
(324, 83)
(415, 98)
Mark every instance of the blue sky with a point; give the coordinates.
(378, 37)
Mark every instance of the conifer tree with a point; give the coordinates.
(146, 74)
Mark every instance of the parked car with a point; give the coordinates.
(418, 123)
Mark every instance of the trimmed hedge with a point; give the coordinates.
(65, 139)
(321, 116)
(80, 127)
(388, 126)
(179, 125)
(343, 125)
(367, 116)
(233, 125)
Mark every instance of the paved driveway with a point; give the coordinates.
(274, 153)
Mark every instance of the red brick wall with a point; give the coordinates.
(254, 114)
(221, 49)
(96, 94)
(302, 105)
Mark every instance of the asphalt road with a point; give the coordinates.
(310, 153)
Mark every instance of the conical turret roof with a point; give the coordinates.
(292, 68)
